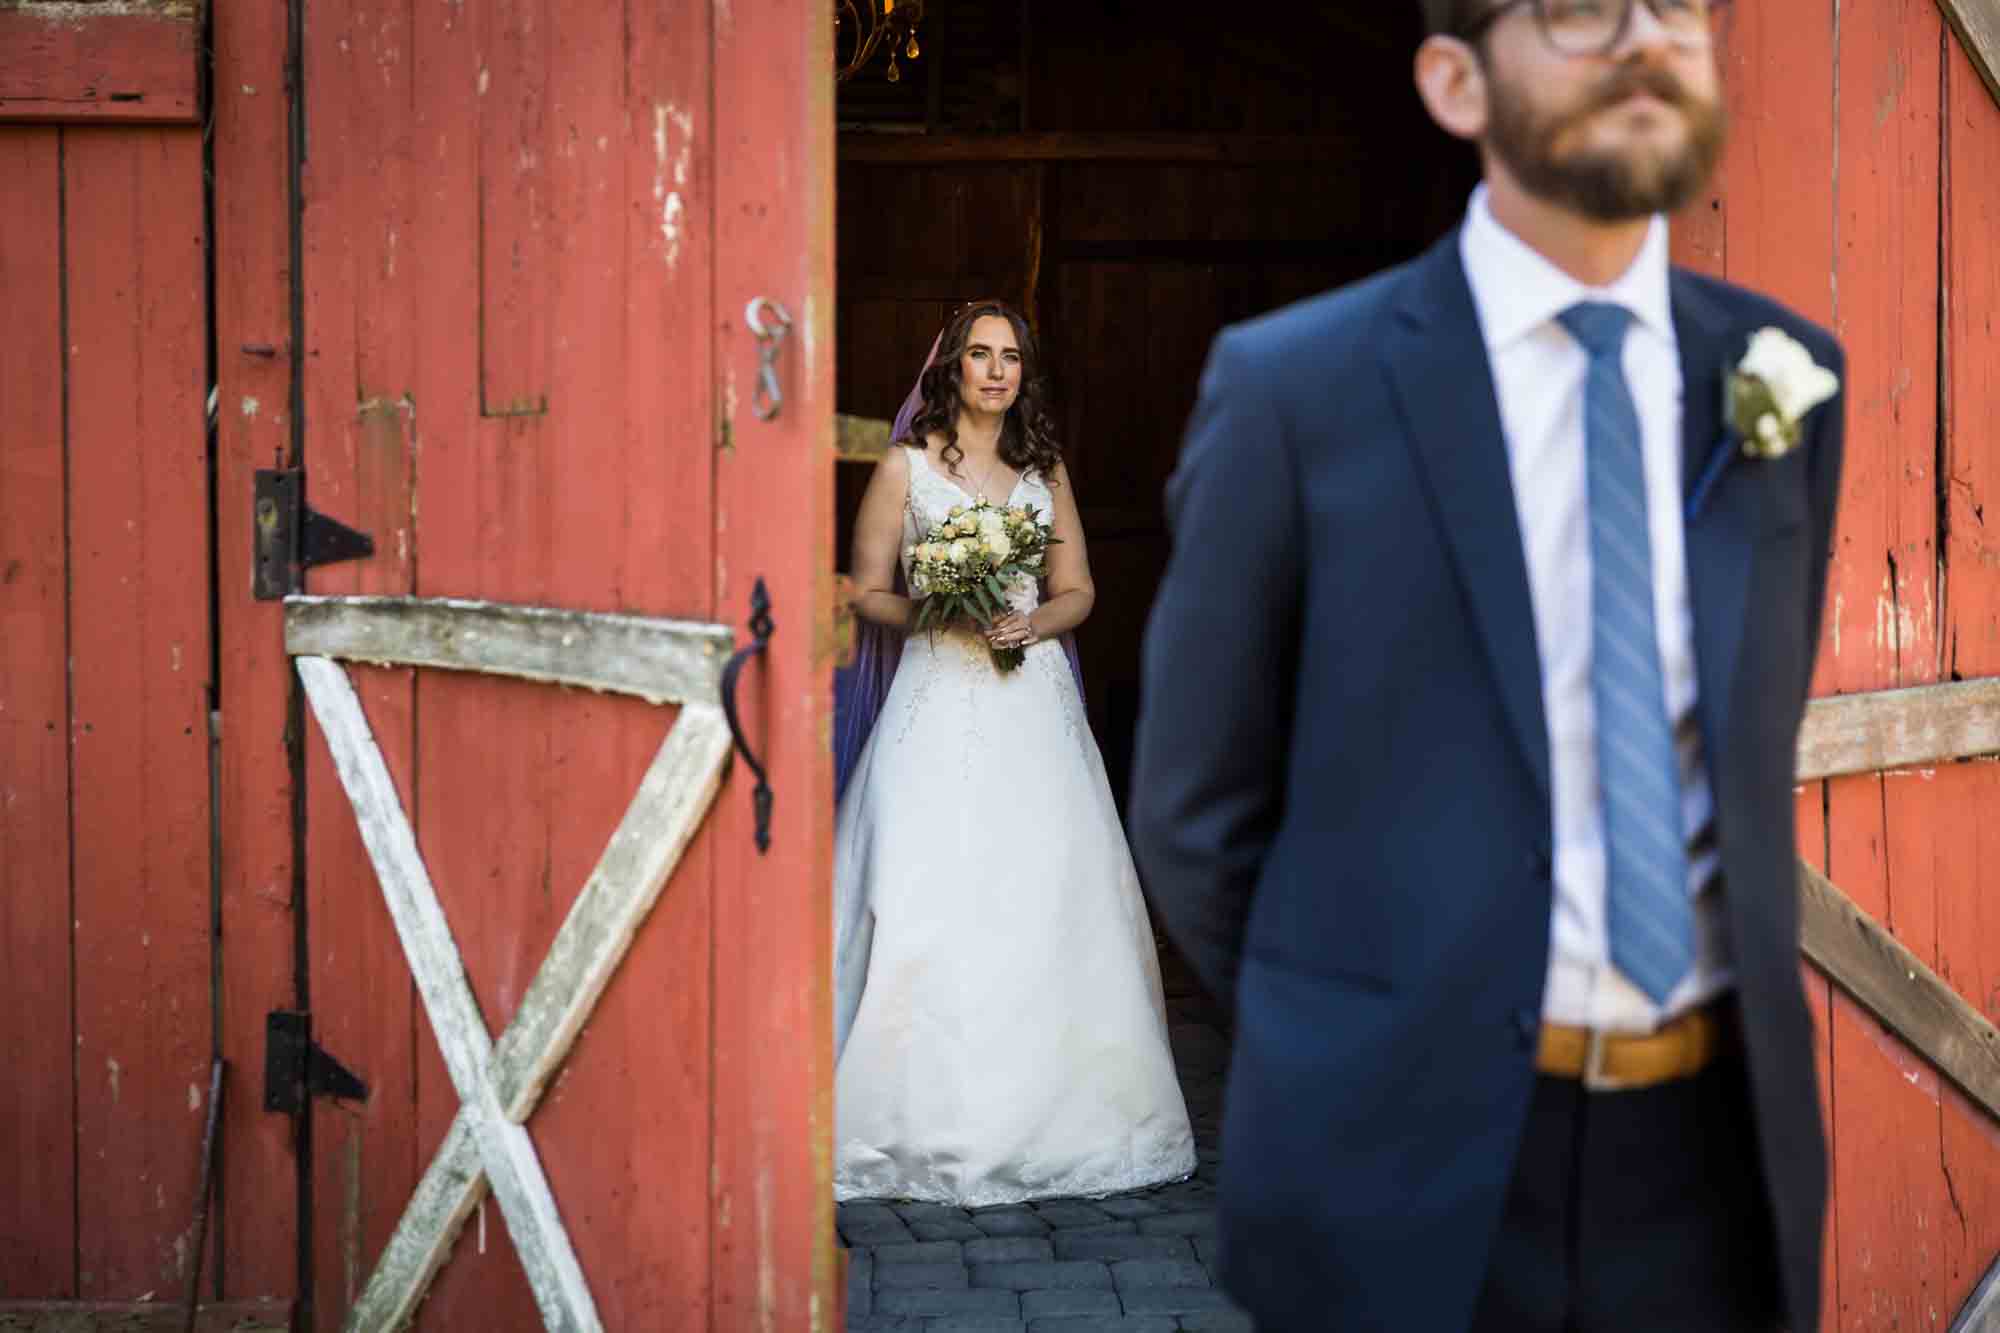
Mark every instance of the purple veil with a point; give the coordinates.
(860, 688)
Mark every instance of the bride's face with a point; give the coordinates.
(989, 370)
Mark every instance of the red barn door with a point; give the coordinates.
(506, 247)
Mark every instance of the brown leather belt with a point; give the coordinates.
(1618, 1061)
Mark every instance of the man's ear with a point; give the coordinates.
(1452, 83)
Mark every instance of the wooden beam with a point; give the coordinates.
(143, 1317)
(664, 815)
(1893, 984)
(1981, 1311)
(860, 439)
(1059, 146)
(660, 661)
(1929, 724)
(1977, 23)
(61, 62)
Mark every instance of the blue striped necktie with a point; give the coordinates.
(1649, 918)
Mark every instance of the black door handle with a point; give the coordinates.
(760, 631)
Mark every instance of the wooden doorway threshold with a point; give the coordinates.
(143, 1317)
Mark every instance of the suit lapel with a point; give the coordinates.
(1719, 538)
(1437, 362)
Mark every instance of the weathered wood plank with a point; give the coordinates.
(1981, 1311)
(1967, 855)
(362, 294)
(1899, 989)
(143, 1317)
(257, 1229)
(1068, 146)
(1908, 728)
(860, 439)
(61, 62)
(771, 1119)
(37, 1116)
(1977, 23)
(424, 1234)
(667, 809)
(660, 661)
(507, 1155)
(138, 664)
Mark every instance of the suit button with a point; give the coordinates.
(1527, 1028)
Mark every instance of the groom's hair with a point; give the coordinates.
(1449, 16)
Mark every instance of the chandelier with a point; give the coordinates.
(861, 28)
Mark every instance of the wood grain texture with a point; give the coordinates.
(1810, 808)
(1883, 729)
(37, 1113)
(773, 1238)
(1968, 858)
(363, 432)
(112, 67)
(143, 1317)
(139, 724)
(256, 1237)
(1882, 619)
(660, 661)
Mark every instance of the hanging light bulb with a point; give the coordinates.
(895, 74)
(911, 50)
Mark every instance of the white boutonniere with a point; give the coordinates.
(1768, 394)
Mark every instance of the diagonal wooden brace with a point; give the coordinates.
(499, 1086)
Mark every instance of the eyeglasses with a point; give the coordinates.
(1596, 27)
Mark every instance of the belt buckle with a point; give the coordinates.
(1594, 1077)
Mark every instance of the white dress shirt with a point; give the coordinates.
(1538, 373)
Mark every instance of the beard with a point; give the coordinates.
(1605, 184)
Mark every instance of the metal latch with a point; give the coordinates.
(295, 1068)
(290, 538)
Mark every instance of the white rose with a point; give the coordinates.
(1788, 371)
(959, 551)
(998, 546)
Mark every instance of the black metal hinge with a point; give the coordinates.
(295, 1068)
(290, 538)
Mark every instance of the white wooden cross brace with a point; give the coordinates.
(499, 1084)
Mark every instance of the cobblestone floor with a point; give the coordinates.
(1133, 1263)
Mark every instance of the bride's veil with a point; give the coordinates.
(858, 692)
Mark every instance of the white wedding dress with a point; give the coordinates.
(1000, 1026)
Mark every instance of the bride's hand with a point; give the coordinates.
(1012, 630)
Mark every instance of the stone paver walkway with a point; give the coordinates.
(1132, 1263)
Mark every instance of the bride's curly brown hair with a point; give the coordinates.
(1027, 435)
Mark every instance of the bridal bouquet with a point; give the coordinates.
(963, 565)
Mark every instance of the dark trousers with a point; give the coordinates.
(1635, 1211)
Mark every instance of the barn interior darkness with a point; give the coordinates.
(1135, 177)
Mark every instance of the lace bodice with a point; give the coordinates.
(931, 497)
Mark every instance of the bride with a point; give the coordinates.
(999, 1026)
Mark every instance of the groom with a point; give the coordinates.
(1467, 751)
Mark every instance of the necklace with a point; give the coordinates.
(979, 490)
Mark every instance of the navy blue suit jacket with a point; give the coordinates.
(1341, 799)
